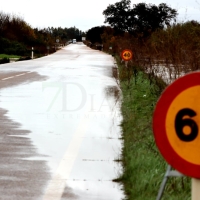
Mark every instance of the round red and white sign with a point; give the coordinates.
(127, 54)
(176, 124)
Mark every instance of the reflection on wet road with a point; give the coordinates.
(60, 120)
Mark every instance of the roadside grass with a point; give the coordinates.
(143, 166)
(8, 56)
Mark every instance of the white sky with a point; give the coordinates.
(83, 14)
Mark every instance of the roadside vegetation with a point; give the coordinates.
(18, 37)
(8, 56)
(143, 166)
(163, 50)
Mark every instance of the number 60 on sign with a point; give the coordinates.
(176, 124)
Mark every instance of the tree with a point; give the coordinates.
(17, 36)
(4, 20)
(94, 34)
(141, 19)
(118, 15)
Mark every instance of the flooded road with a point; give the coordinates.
(60, 133)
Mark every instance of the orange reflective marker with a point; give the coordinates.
(176, 124)
(127, 54)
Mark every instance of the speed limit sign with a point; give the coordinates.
(176, 124)
(127, 54)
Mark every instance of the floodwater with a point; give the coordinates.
(61, 114)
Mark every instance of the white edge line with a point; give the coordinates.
(15, 76)
(20, 74)
(7, 78)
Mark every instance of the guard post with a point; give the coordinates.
(32, 53)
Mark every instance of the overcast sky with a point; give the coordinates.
(83, 14)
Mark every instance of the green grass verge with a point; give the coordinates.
(143, 166)
(8, 56)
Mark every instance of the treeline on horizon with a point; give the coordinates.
(17, 37)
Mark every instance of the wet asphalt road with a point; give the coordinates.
(60, 133)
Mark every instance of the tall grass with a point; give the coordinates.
(8, 56)
(144, 168)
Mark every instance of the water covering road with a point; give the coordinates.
(60, 133)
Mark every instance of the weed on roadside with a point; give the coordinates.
(144, 168)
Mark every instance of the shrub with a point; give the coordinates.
(4, 60)
(12, 47)
(24, 58)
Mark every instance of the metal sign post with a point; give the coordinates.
(169, 173)
(125, 62)
(195, 189)
(56, 45)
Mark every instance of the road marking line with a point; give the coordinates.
(15, 76)
(20, 74)
(7, 78)
(57, 185)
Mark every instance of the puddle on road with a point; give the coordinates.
(115, 73)
(18, 176)
(68, 194)
(112, 91)
(31, 77)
